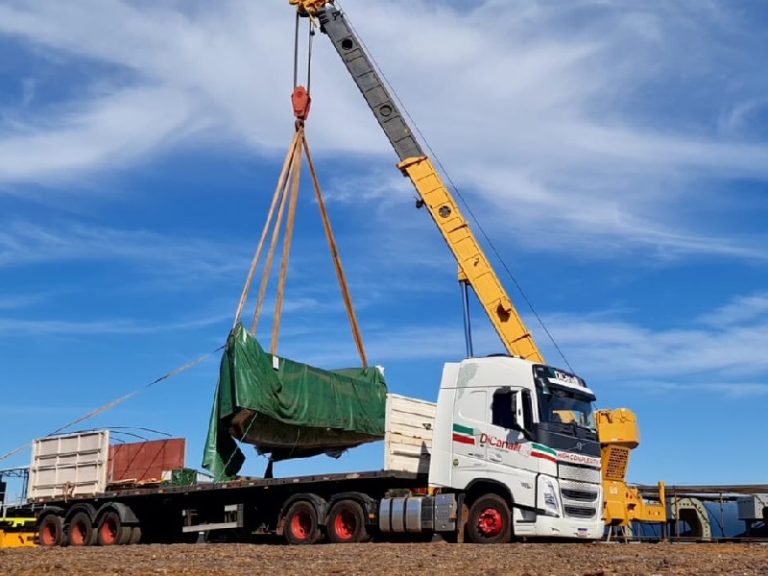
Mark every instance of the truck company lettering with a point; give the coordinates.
(499, 442)
(578, 458)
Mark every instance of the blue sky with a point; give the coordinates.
(617, 155)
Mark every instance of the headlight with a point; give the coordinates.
(550, 497)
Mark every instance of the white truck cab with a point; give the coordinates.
(523, 431)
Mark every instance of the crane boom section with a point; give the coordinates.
(370, 84)
(472, 260)
(454, 227)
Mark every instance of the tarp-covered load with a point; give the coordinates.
(288, 409)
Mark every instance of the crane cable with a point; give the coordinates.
(464, 201)
(310, 42)
(120, 400)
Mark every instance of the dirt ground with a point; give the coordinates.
(396, 559)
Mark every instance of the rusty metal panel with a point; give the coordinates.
(142, 461)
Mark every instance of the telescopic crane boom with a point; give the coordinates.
(474, 266)
(617, 428)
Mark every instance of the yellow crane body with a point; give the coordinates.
(17, 533)
(619, 435)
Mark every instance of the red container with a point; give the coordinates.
(143, 461)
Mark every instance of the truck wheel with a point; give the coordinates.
(81, 532)
(135, 535)
(346, 523)
(489, 520)
(50, 530)
(301, 524)
(111, 530)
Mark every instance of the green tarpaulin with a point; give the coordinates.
(288, 409)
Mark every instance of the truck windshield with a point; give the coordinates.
(563, 406)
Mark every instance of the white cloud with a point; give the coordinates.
(566, 113)
(25, 243)
(109, 130)
(734, 390)
(741, 310)
(17, 328)
(698, 356)
(605, 350)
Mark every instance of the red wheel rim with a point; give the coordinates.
(78, 534)
(108, 532)
(490, 522)
(345, 525)
(301, 525)
(48, 534)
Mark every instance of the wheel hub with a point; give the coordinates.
(345, 525)
(490, 522)
(301, 525)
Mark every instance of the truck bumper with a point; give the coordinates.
(546, 526)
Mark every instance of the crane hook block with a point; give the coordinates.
(301, 103)
(310, 6)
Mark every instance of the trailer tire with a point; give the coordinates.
(50, 530)
(112, 531)
(346, 523)
(490, 521)
(301, 525)
(135, 535)
(81, 532)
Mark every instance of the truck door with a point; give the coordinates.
(470, 416)
(509, 451)
(504, 441)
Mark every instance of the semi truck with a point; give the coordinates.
(481, 465)
(509, 449)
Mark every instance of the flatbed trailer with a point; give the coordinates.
(298, 508)
(72, 509)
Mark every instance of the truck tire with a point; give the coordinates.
(490, 521)
(346, 523)
(50, 530)
(111, 530)
(81, 532)
(301, 526)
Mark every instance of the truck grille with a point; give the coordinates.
(578, 512)
(580, 499)
(579, 473)
(580, 496)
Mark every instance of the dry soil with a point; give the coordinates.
(395, 559)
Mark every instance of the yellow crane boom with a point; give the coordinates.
(475, 269)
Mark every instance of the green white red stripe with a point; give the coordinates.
(463, 434)
(466, 435)
(543, 452)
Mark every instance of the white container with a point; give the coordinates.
(408, 435)
(69, 465)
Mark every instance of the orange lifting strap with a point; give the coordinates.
(286, 196)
